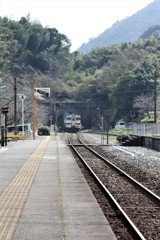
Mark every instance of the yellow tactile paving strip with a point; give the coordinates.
(14, 196)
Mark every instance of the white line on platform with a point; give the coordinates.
(3, 149)
(132, 154)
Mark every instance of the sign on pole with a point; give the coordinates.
(42, 93)
(22, 96)
(4, 110)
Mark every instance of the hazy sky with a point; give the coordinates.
(79, 20)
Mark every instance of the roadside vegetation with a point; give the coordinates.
(117, 76)
(116, 131)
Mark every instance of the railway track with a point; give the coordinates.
(135, 206)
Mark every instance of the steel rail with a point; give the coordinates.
(145, 190)
(133, 228)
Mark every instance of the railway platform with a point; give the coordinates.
(44, 196)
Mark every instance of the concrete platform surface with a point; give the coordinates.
(44, 196)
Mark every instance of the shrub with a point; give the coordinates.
(122, 138)
(43, 131)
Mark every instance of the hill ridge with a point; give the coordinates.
(126, 30)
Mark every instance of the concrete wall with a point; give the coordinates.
(148, 142)
(151, 142)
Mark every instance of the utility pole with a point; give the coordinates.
(34, 114)
(22, 98)
(155, 97)
(15, 105)
(107, 117)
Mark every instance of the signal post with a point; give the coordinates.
(41, 94)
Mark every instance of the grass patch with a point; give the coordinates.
(146, 119)
(116, 131)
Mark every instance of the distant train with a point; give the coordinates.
(72, 123)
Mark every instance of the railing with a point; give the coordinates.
(146, 129)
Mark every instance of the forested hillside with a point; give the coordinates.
(126, 30)
(119, 76)
(31, 54)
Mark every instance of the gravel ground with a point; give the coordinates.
(146, 159)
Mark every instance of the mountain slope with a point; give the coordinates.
(127, 30)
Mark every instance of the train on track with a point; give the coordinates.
(72, 123)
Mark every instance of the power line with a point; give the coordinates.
(132, 91)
